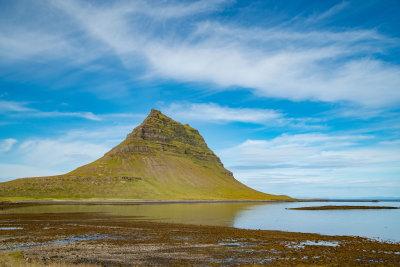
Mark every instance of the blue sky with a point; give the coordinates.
(296, 97)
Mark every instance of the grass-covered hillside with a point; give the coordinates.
(160, 160)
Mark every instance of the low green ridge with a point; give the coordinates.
(161, 159)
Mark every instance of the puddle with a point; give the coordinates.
(11, 228)
(225, 260)
(231, 244)
(71, 239)
(321, 243)
(314, 243)
(267, 260)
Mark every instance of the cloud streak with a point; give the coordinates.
(20, 109)
(7, 144)
(329, 13)
(214, 113)
(279, 61)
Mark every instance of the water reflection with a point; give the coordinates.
(378, 223)
(381, 224)
(219, 214)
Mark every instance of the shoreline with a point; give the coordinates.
(16, 205)
(6, 204)
(122, 202)
(95, 238)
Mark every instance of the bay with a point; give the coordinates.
(381, 224)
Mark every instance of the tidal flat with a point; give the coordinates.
(100, 239)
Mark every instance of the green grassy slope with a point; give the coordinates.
(160, 160)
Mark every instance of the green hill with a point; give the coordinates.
(160, 160)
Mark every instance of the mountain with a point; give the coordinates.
(161, 159)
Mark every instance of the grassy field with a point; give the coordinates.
(161, 177)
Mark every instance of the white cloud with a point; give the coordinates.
(58, 155)
(23, 44)
(109, 135)
(279, 61)
(327, 14)
(7, 144)
(316, 161)
(13, 171)
(214, 113)
(306, 73)
(44, 114)
(37, 157)
(270, 66)
(312, 151)
(173, 10)
(21, 109)
(119, 25)
(278, 36)
(12, 106)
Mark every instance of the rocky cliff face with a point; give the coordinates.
(160, 128)
(161, 134)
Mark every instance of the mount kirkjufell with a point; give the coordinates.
(161, 159)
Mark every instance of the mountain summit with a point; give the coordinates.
(161, 159)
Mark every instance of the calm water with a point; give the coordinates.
(380, 224)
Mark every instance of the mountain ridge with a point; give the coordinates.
(161, 159)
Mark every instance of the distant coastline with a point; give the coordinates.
(343, 208)
(122, 202)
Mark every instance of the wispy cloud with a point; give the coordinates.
(22, 109)
(13, 106)
(308, 72)
(360, 113)
(49, 156)
(12, 171)
(313, 150)
(214, 113)
(59, 152)
(279, 61)
(37, 156)
(7, 144)
(327, 14)
(312, 160)
(44, 114)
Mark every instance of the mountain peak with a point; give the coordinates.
(160, 128)
(159, 133)
(155, 117)
(155, 112)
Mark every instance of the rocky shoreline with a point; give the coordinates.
(97, 239)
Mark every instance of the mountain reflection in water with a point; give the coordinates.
(379, 224)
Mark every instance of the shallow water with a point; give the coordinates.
(379, 224)
(69, 240)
